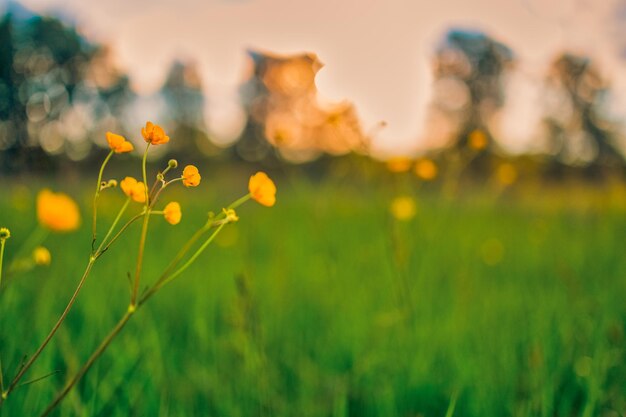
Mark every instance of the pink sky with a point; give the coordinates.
(376, 52)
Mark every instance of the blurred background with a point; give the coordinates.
(449, 232)
(276, 82)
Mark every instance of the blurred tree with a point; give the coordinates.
(469, 70)
(52, 89)
(185, 104)
(578, 133)
(280, 98)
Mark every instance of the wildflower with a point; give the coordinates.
(172, 213)
(41, 256)
(231, 215)
(191, 176)
(262, 189)
(399, 164)
(154, 134)
(134, 189)
(172, 163)
(477, 140)
(506, 174)
(118, 143)
(57, 211)
(426, 169)
(4, 233)
(403, 208)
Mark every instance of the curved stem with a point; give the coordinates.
(95, 198)
(142, 244)
(190, 260)
(143, 171)
(94, 356)
(2, 242)
(132, 308)
(43, 345)
(115, 222)
(118, 234)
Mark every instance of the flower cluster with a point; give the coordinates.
(57, 212)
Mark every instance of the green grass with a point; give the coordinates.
(326, 306)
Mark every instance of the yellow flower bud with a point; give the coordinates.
(41, 256)
(4, 233)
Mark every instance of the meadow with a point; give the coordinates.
(483, 304)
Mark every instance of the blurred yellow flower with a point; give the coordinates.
(118, 143)
(399, 164)
(506, 174)
(134, 189)
(426, 169)
(262, 189)
(41, 256)
(191, 176)
(4, 233)
(154, 134)
(477, 140)
(403, 208)
(57, 211)
(172, 213)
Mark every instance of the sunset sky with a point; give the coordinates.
(376, 53)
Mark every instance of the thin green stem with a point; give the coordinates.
(119, 233)
(95, 197)
(43, 345)
(132, 308)
(115, 222)
(217, 221)
(158, 193)
(142, 244)
(1, 380)
(191, 259)
(240, 201)
(2, 243)
(181, 253)
(94, 356)
(452, 404)
(143, 171)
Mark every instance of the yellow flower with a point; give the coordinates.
(57, 211)
(154, 134)
(506, 174)
(477, 140)
(426, 169)
(403, 208)
(262, 189)
(134, 189)
(41, 256)
(118, 143)
(399, 164)
(4, 233)
(231, 215)
(172, 213)
(191, 176)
